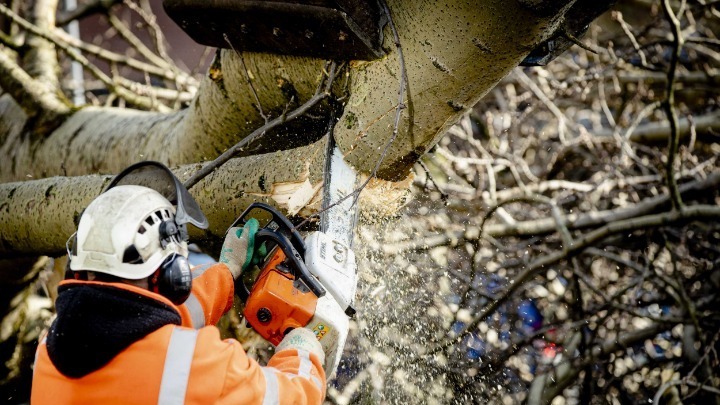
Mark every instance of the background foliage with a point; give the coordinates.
(502, 209)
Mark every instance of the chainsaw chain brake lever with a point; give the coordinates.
(296, 264)
(281, 233)
(276, 222)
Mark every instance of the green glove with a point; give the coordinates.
(239, 251)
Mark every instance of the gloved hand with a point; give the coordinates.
(238, 250)
(303, 338)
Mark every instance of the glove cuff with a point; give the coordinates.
(305, 339)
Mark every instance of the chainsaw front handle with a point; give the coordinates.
(296, 264)
(278, 223)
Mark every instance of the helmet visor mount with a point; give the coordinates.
(158, 177)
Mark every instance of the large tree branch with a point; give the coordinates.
(223, 112)
(41, 61)
(37, 217)
(35, 98)
(446, 76)
(108, 138)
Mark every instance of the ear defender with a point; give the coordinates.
(173, 279)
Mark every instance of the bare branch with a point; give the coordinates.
(138, 44)
(669, 105)
(145, 13)
(144, 102)
(176, 76)
(688, 214)
(35, 98)
(41, 61)
(671, 383)
(546, 225)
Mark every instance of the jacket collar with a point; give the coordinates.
(98, 320)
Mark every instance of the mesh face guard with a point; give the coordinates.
(158, 177)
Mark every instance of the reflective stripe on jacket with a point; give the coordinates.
(188, 364)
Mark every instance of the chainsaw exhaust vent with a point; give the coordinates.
(339, 30)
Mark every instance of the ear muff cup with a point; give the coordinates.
(174, 280)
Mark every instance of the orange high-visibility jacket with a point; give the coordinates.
(180, 361)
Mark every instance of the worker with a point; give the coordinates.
(134, 323)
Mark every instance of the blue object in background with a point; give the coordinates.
(530, 316)
(196, 257)
(472, 344)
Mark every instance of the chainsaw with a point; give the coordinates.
(308, 282)
(305, 282)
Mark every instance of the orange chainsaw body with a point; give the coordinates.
(275, 304)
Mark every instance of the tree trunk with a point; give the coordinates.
(455, 52)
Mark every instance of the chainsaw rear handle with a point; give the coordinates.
(296, 265)
(278, 223)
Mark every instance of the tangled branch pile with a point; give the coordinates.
(544, 256)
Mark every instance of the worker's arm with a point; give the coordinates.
(213, 284)
(293, 375)
(211, 296)
(298, 373)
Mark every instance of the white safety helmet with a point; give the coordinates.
(128, 232)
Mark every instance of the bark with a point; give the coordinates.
(453, 58)
(105, 140)
(55, 203)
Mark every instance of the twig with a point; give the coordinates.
(669, 105)
(429, 177)
(260, 132)
(671, 383)
(61, 38)
(249, 82)
(149, 103)
(154, 29)
(617, 16)
(708, 348)
(575, 40)
(688, 214)
(562, 120)
(137, 43)
(560, 220)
